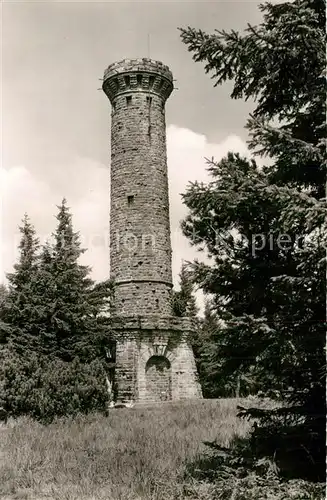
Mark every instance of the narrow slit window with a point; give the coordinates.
(129, 100)
(139, 79)
(130, 200)
(149, 100)
(127, 81)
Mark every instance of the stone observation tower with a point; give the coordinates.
(154, 361)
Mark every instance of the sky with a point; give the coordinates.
(55, 134)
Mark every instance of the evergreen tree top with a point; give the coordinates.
(28, 250)
(280, 64)
(67, 244)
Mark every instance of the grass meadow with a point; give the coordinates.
(138, 453)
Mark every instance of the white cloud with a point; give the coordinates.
(186, 152)
(85, 184)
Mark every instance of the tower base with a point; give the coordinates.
(154, 360)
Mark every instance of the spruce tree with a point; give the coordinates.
(210, 337)
(216, 382)
(184, 302)
(21, 307)
(265, 227)
(54, 361)
(3, 295)
(73, 300)
(5, 329)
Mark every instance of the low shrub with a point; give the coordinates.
(45, 389)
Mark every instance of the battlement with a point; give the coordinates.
(137, 75)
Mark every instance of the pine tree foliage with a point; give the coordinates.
(265, 226)
(5, 329)
(281, 65)
(45, 388)
(3, 294)
(184, 301)
(208, 346)
(184, 305)
(21, 306)
(27, 264)
(66, 290)
(54, 328)
(74, 303)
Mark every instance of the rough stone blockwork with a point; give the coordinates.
(154, 360)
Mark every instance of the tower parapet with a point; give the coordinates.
(142, 75)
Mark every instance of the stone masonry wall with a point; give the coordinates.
(184, 379)
(143, 338)
(125, 373)
(154, 296)
(133, 356)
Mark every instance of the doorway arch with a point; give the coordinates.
(158, 378)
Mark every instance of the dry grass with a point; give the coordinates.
(132, 454)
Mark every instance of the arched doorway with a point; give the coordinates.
(158, 378)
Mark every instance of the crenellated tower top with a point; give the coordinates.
(137, 75)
